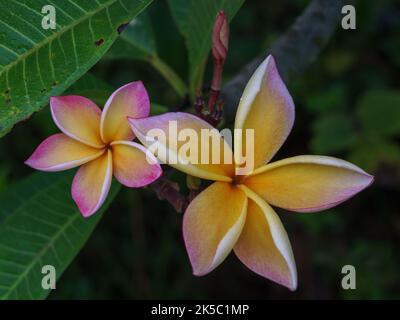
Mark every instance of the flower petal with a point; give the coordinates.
(264, 246)
(267, 107)
(187, 153)
(308, 183)
(78, 117)
(133, 165)
(212, 224)
(130, 100)
(59, 152)
(92, 183)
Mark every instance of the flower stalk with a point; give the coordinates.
(220, 42)
(169, 191)
(170, 75)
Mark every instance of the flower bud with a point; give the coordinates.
(220, 37)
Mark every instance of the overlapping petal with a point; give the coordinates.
(308, 183)
(92, 183)
(131, 100)
(78, 117)
(263, 245)
(267, 107)
(133, 165)
(177, 140)
(59, 152)
(212, 224)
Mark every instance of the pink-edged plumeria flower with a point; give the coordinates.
(100, 142)
(234, 212)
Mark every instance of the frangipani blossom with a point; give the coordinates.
(235, 212)
(100, 142)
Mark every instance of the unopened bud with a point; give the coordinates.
(220, 37)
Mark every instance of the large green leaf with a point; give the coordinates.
(40, 225)
(138, 42)
(195, 20)
(36, 63)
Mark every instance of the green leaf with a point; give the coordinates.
(180, 10)
(329, 99)
(317, 224)
(138, 42)
(391, 46)
(89, 82)
(379, 112)
(332, 133)
(3, 178)
(195, 20)
(36, 63)
(40, 225)
(157, 109)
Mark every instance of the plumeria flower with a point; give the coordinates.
(100, 142)
(235, 212)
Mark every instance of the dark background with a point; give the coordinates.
(347, 105)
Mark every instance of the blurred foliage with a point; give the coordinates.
(333, 132)
(347, 105)
(379, 113)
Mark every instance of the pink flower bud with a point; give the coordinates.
(220, 37)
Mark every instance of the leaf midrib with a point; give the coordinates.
(55, 35)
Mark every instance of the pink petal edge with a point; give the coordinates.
(37, 159)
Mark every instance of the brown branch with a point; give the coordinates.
(294, 51)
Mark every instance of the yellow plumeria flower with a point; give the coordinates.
(100, 141)
(234, 212)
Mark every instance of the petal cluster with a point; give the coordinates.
(235, 213)
(100, 142)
